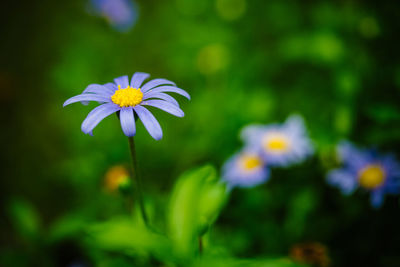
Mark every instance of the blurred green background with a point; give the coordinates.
(242, 61)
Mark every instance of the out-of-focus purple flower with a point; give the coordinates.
(378, 174)
(280, 144)
(121, 14)
(129, 100)
(244, 169)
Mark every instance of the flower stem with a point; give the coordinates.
(200, 245)
(136, 178)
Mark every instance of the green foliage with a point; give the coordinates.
(196, 201)
(301, 205)
(221, 262)
(123, 235)
(25, 219)
(68, 226)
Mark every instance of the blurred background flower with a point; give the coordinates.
(280, 144)
(121, 14)
(245, 169)
(378, 174)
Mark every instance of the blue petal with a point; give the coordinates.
(149, 121)
(172, 89)
(295, 125)
(234, 175)
(162, 96)
(87, 97)
(352, 156)
(98, 89)
(166, 106)
(111, 86)
(342, 179)
(127, 121)
(377, 198)
(252, 133)
(123, 81)
(97, 115)
(154, 83)
(138, 78)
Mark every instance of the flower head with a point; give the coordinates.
(378, 174)
(129, 100)
(245, 169)
(280, 144)
(121, 14)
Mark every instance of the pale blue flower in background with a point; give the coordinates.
(378, 174)
(121, 14)
(280, 144)
(244, 169)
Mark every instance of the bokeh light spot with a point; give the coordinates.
(212, 58)
(231, 9)
(369, 27)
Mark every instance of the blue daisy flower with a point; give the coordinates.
(121, 14)
(129, 101)
(244, 169)
(280, 144)
(378, 174)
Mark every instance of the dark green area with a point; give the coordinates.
(242, 61)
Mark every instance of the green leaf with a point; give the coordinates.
(125, 236)
(195, 203)
(67, 226)
(25, 219)
(301, 205)
(232, 262)
(384, 113)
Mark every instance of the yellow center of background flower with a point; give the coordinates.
(371, 176)
(127, 97)
(250, 162)
(276, 143)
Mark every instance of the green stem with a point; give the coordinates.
(200, 245)
(136, 178)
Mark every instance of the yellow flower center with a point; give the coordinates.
(250, 162)
(371, 176)
(127, 97)
(276, 143)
